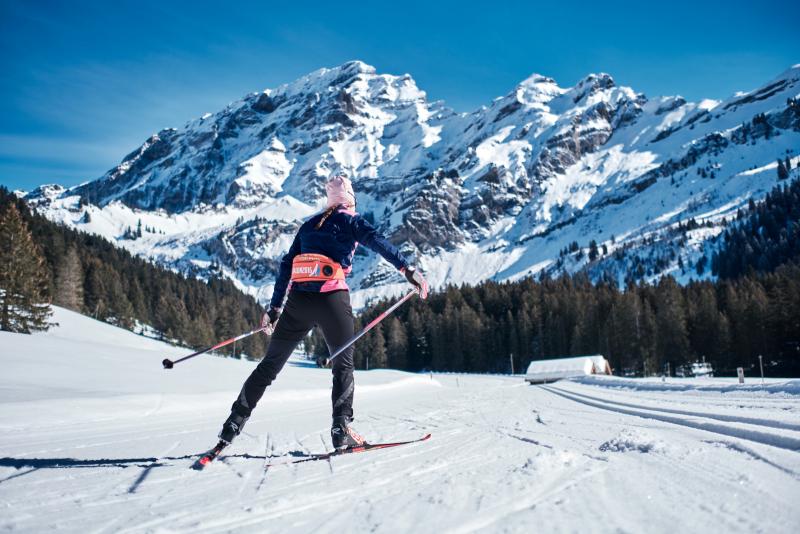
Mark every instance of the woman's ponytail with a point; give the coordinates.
(327, 213)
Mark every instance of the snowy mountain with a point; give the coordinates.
(514, 183)
(96, 433)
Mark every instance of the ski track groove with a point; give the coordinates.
(783, 442)
(781, 425)
(328, 459)
(693, 470)
(753, 454)
(265, 467)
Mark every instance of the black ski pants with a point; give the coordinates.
(332, 313)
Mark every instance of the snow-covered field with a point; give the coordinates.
(96, 437)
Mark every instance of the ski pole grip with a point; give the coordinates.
(167, 363)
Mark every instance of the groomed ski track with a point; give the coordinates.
(96, 437)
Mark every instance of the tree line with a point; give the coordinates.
(91, 275)
(640, 329)
(767, 234)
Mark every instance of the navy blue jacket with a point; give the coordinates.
(337, 239)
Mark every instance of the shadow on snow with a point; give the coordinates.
(147, 464)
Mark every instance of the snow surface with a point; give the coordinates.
(96, 434)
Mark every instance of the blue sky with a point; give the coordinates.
(84, 83)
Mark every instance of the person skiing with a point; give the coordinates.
(314, 270)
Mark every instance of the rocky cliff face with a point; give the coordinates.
(499, 192)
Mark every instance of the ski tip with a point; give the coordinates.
(425, 437)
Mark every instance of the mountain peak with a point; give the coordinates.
(356, 66)
(537, 88)
(536, 79)
(590, 85)
(596, 81)
(340, 75)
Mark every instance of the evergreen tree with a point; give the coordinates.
(138, 301)
(709, 330)
(418, 346)
(446, 342)
(95, 293)
(624, 331)
(120, 311)
(783, 172)
(370, 351)
(69, 282)
(672, 340)
(172, 319)
(24, 303)
(377, 354)
(397, 344)
(470, 328)
(593, 252)
(700, 267)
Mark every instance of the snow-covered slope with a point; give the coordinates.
(513, 183)
(96, 434)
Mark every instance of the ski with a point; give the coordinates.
(209, 457)
(363, 448)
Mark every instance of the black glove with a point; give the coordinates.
(270, 319)
(415, 278)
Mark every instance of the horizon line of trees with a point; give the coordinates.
(640, 329)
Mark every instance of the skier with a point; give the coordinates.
(316, 264)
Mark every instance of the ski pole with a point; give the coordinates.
(371, 325)
(168, 364)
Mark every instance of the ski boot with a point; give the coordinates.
(232, 427)
(343, 436)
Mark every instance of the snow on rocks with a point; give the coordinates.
(549, 165)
